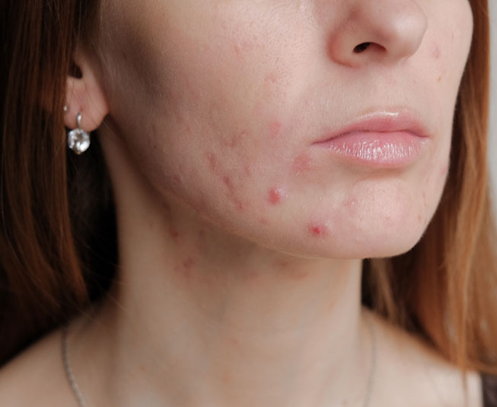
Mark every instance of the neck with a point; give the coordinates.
(201, 317)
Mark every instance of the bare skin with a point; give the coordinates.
(241, 242)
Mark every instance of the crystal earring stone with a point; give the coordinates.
(78, 140)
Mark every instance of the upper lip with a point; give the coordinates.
(382, 121)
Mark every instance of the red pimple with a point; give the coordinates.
(276, 195)
(317, 230)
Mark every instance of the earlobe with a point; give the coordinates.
(85, 95)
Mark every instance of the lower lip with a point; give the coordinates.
(385, 149)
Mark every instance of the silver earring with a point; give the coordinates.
(66, 108)
(78, 140)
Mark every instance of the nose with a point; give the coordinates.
(377, 31)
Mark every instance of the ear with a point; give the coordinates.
(84, 94)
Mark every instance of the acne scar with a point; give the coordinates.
(174, 234)
(211, 158)
(299, 275)
(270, 78)
(445, 170)
(302, 163)
(232, 195)
(263, 221)
(435, 51)
(188, 263)
(274, 129)
(228, 183)
(350, 203)
(177, 180)
(236, 139)
(226, 378)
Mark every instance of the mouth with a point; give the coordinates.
(387, 138)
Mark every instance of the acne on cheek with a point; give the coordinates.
(276, 196)
(435, 51)
(436, 54)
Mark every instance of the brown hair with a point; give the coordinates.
(58, 234)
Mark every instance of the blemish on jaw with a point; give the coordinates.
(317, 230)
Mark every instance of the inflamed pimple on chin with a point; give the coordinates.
(317, 229)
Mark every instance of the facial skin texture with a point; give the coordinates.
(240, 240)
(230, 97)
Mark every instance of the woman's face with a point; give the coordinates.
(267, 119)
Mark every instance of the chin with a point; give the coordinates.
(360, 240)
(379, 243)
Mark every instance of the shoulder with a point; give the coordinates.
(36, 376)
(419, 373)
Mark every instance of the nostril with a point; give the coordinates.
(361, 47)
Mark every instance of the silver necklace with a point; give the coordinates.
(82, 403)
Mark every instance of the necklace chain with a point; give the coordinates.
(82, 402)
(68, 368)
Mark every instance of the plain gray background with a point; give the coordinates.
(492, 153)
